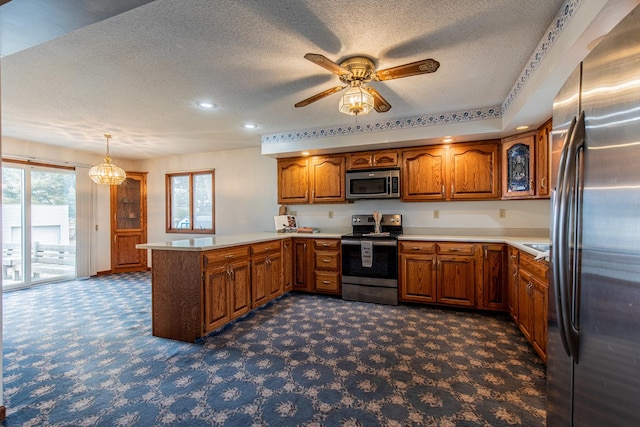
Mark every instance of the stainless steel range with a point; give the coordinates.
(370, 260)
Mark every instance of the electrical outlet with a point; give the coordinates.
(330, 214)
(503, 213)
(436, 214)
(293, 213)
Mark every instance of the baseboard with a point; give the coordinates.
(103, 273)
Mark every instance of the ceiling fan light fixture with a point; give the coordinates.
(107, 173)
(356, 101)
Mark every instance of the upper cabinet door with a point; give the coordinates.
(518, 167)
(543, 163)
(474, 171)
(423, 174)
(328, 179)
(372, 159)
(293, 181)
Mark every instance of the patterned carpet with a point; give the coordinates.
(81, 354)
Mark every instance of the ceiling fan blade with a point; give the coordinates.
(326, 63)
(379, 103)
(406, 70)
(319, 96)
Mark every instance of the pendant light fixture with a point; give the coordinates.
(107, 173)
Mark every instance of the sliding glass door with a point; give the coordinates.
(38, 224)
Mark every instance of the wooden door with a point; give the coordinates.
(456, 280)
(417, 277)
(474, 172)
(275, 275)
(543, 146)
(216, 297)
(287, 265)
(512, 277)
(327, 179)
(423, 175)
(239, 288)
(493, 292)
(385, 158)
(129, 223)
(260, 277)
(293, 181)
(301, 264)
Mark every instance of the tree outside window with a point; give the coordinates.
(190, 202)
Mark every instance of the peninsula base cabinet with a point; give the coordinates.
(196, 292)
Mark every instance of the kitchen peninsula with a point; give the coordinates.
(201, 284)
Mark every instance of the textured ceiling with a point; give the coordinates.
(138, 75)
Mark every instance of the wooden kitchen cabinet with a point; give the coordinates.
(533, 292)
(266, 272)
(319, 179)
(423, 174)
(513, 282)
(372, 159)
(293, 181)
(328, 179)
(129, 223)
(417, 272)
(526, 164)
(443, 273)
(475, 172)
(326, 266)
(466, 171)
(493, 289)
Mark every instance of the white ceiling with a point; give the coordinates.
(138, 75)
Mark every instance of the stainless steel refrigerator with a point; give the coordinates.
(593, 366)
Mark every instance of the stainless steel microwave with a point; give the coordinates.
(374, 184)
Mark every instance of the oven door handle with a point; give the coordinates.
(375, 242)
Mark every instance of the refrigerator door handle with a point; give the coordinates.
(558, 229)
(570, 204)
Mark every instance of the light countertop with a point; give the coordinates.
(218, 242)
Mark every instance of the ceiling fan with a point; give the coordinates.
(355, 72)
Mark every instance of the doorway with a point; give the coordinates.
(38, 225)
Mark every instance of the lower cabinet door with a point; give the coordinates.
(216, 297)
(417, 278)
(239, 288)
(260, 276)
(275, 275)
(456, 282)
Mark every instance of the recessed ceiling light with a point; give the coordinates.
(205, 104)
(525, 127)
(249, 126)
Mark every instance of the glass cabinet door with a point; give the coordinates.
(128, 224)
(518, 168)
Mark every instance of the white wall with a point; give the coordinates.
(245, 190)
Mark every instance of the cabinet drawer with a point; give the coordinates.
(265, 247)
(227, 254)
(456, 248)
(328, 281)
(417, 247)
(326, 243)
(327, 260)
(540, 269)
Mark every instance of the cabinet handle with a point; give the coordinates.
(228, 256)
(530, 183)
(326, 260)
(512, 256)
(306, 194)
(542, 183)
(452, 189)
(485, 253)
(433, 264)
(416, 248)
(442, 191)
(305, 246)
(325, 282)
(326, 245)
(515, 273)
(458, 250)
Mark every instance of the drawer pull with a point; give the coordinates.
(416, 248)
(326, 245)
(228, 256)
(455, 250)
(326, 282)
(326, 260)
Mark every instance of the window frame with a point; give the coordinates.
(169, 198)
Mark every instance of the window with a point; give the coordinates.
(190, 202)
